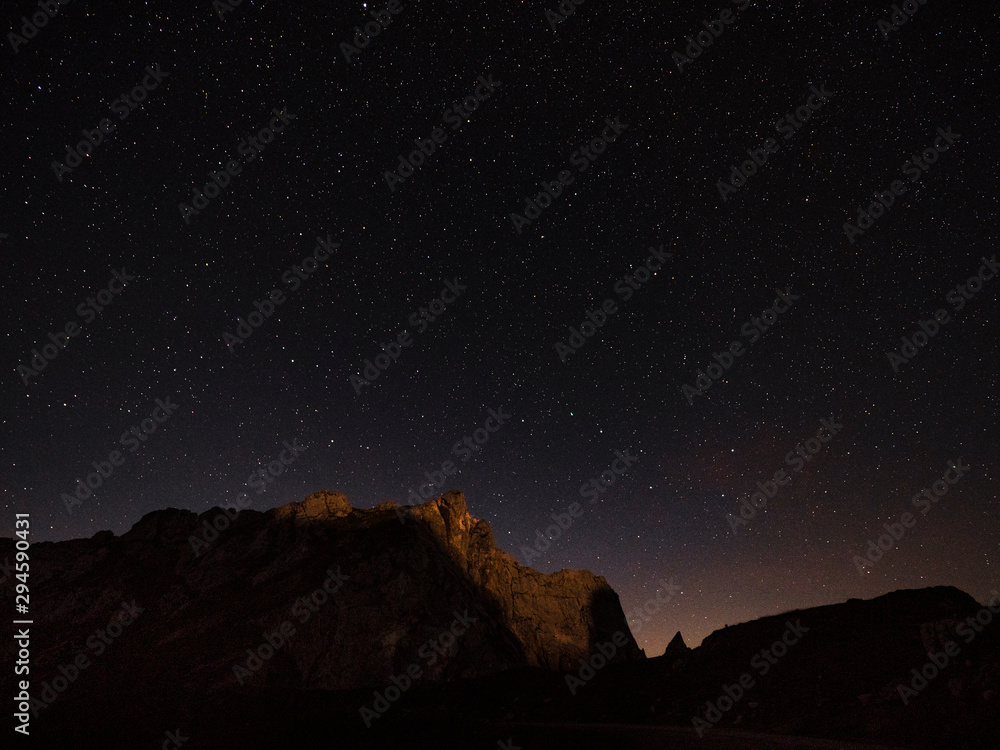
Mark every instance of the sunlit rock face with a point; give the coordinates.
(345, 597)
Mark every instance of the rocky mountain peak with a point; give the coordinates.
(318, 506)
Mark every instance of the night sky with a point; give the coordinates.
(166, 338)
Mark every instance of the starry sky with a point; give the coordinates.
(685, 122)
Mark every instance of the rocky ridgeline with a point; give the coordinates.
(313, 594)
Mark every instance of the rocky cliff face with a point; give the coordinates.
(314, 594)
(229, 626)
(557, 618)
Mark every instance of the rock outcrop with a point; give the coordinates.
(557, 617)
(231, 598)
(676, 649)
(319, 506)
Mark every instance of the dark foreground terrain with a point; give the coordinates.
(316, 625)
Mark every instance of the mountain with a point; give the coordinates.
(317, 624)
(404, 579)
(911, 668)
